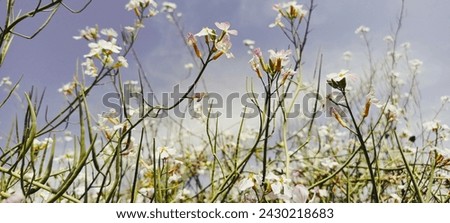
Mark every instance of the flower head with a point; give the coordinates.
(192, 41)
(290, 10)
(224, 46)
(300, 194)
(67, 89)
(89, 33)
(225, 27)
(388, 39)
(110, 33)
(136, 4)
(249, 181)
(90, 68)
(362, 30)
(206, 32)
(278, 59)
(282, 55)
(5, 81)
(41, 145)
(445, 99)
(168, 7)
(347, 55)
(189, 66)
(432, 125)
(415, 64)
(249, 43)
(103, 46)
(121, 62)
(165, 152)
(277, 22)
(337, 80)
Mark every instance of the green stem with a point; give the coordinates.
(363, 146)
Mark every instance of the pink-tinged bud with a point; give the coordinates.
(193, 41)
(257, 52)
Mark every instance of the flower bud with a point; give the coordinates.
(258, 72)
(293, 12)
(367, 108)
(278, 65)
(192, 41)
(218, 54)
(338, 117)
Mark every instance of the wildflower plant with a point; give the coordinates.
(363, 141)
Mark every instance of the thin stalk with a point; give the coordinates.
(363, 147)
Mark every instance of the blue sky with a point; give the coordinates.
(49, 60)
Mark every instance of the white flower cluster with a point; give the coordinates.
(289, 10)
(104, 50)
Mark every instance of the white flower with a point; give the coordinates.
(189, 66)
(362, 30)
(41, 145)
(68, 157)
(132, 111)
(282, 55)
(90, 68)
(278, 183)
(130, 29)
(121, 62)
(290, 10)
(347, 55)
(5, 81)
(445, 152)
(68, 136)
(337, 76)
(225, 27)
(445, 99)
(110, 33)
(67, 89)
(328, 163)
(183, 194)
(323, 193)
(391, 111)
(136, 4)
(245, 184)
(168, 7)
(249, 181)
(406, 45)
(174, 178)
(103, 47)
(431, 125)
(17, 197)
(165, 152)
(395, 197)
(415, 64)
(148, 192)
(393, 54)
(224, 46)
(248, 42)
(89, 33)
(277, 22)
(206, 32)
(388, 39)
(300, 194)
